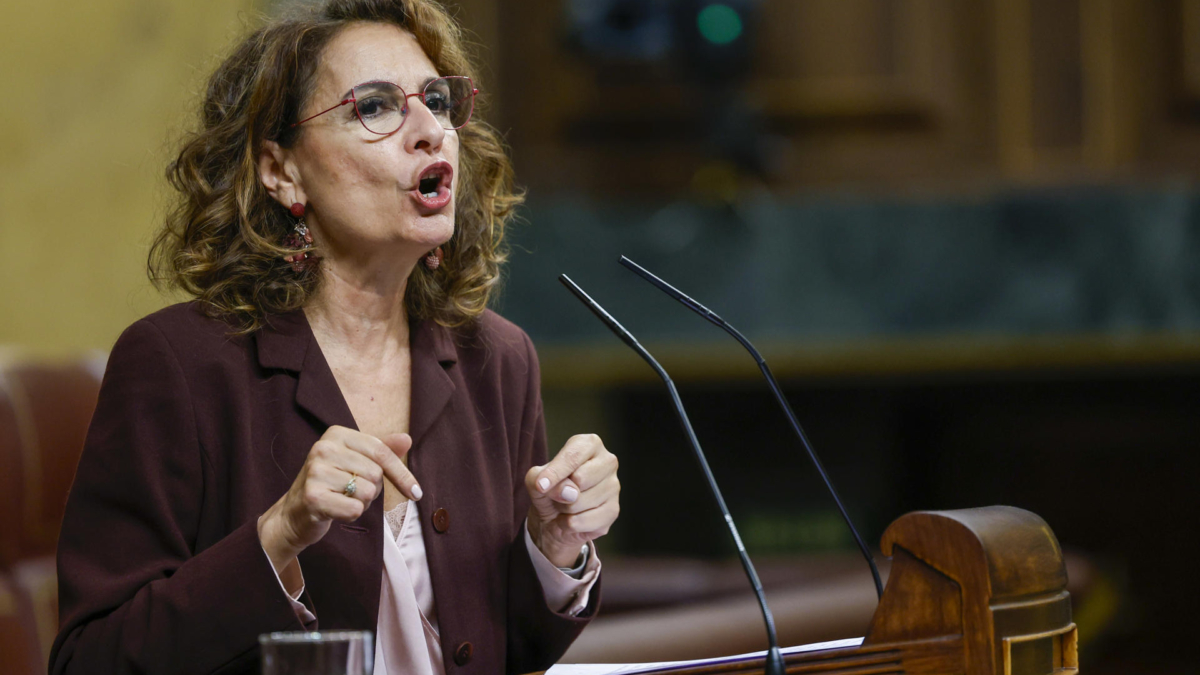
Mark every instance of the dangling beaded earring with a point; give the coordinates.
(434, 259)
(299, 238)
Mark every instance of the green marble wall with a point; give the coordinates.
(1107, 260)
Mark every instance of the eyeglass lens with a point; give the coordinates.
(382, 106)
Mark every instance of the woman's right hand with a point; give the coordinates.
(303, 515)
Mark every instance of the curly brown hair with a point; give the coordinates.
(221, 241)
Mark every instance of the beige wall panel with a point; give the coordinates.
(94, 92)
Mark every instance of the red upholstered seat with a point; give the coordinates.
(18, 642)
(45, 409)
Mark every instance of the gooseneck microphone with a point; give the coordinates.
(774, 658)
(712, 317)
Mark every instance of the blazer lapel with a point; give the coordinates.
(318, 392)
(432, 351)
(288, 343)
(344, 567)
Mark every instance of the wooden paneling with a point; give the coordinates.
(876, 93)
(1067, 94)
(1056, 73)
(846, 58)
(1170, 113)
(847, 89)
(1189, 37)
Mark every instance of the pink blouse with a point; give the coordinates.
(406, 636)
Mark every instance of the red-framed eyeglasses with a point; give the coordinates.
(382, 107)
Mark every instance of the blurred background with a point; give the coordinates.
(963, 232)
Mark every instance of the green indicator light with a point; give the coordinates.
(719, 24)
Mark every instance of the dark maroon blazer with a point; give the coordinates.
(198, 432)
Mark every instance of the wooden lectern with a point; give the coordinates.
(971, 592)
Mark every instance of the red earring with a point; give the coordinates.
(434, 259)
(299, 238)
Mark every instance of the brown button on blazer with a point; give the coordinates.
(198, 432)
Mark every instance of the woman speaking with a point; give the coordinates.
(335, 433)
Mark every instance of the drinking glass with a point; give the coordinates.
(318, 653)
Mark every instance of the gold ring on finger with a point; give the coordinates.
(351, 487)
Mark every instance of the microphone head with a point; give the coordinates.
(652, 278)
(670, 290)
(613, 325)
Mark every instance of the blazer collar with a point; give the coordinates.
(283, 341)
(286, 342)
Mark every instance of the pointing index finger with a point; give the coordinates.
(386, 455)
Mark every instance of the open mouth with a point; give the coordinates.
(429, 185)
(432, 192)
(433, 178)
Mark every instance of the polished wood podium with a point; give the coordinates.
(971, 592)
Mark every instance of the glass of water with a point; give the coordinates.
(327, 653)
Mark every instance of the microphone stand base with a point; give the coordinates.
(774, 662)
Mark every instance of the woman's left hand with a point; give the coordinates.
(576, 498)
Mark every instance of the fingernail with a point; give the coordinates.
(544, 484)
(417, 492)
(570, 494)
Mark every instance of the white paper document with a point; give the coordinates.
(631, 668)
